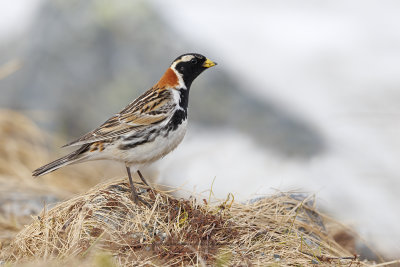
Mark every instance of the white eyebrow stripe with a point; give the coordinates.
(183, 59)
(187, 58)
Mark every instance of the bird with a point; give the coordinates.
(146, 130)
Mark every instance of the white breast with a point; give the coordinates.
(151, 151)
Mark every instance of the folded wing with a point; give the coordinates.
(153, 107)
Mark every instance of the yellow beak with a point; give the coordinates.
(208, 63)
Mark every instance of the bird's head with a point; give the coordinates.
(188, 66)
(183, 70)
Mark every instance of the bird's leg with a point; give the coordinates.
(142, 178)
(144, 181)
(133, 189)
(135, 195)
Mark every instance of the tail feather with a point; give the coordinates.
(71, 158)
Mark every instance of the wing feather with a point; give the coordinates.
(152, 107)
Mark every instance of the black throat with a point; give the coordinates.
(184, 98)
(180, 114)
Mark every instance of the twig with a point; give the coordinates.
(329, 259)
(386, 263)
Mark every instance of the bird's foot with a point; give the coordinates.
(136, 198)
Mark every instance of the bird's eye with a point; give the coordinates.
(193, 61)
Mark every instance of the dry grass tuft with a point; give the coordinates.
(282, 229)
(102, 227)
(22, 149)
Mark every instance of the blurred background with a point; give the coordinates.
(305, 97)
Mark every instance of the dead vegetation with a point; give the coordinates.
(279, 229)
(103, 227)
(23, 148)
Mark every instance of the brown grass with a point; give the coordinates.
(277, 229)
(23, 148)
(103, 227)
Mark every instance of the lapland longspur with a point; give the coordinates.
(147, 129)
